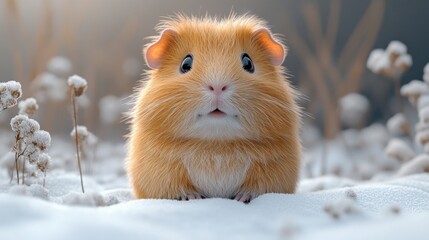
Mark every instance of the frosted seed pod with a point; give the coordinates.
(78, 84)
(398, 149)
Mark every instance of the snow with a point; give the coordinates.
(270, 216)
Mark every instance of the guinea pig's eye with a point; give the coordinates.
(247, 63)
(186, 65)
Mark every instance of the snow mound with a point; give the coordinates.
(369, 211)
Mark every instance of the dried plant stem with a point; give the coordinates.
(23, 173)
(17, 155)
(73, 99)
(16, 167)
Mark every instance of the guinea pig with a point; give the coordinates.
(215, 116)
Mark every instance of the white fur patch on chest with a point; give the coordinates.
(218, 176)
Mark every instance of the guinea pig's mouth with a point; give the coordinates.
(217, 113)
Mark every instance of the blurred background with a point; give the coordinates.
(45, 41)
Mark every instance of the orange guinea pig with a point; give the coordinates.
(215, 117)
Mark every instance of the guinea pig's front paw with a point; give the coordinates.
(190, 196)
(244, 197)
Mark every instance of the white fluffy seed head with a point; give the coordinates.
(422, 137)
(92, 139)
(10, 92)
(403, 62)
(82, 132)
(49, 87)
(23, 125)
(392, 62)
(41, 139)
(17, 121)
(28, 107)
(396, 47)
(419, 164)
(354, 109)
(60, 66)
(420, 126)
(78, 84)
(414, 89)
(423, 101)
(43, 162)
(30, 128)
(398, 149)
(377, 61)
(424, 114)
(33, 156)
(398, 125)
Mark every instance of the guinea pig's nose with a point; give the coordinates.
(217, 89)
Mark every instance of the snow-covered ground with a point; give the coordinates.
(325, 207)
(397, 209)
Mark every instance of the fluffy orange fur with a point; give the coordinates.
(165, 151)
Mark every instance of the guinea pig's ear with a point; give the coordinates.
(155, 51)
(275, 49)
